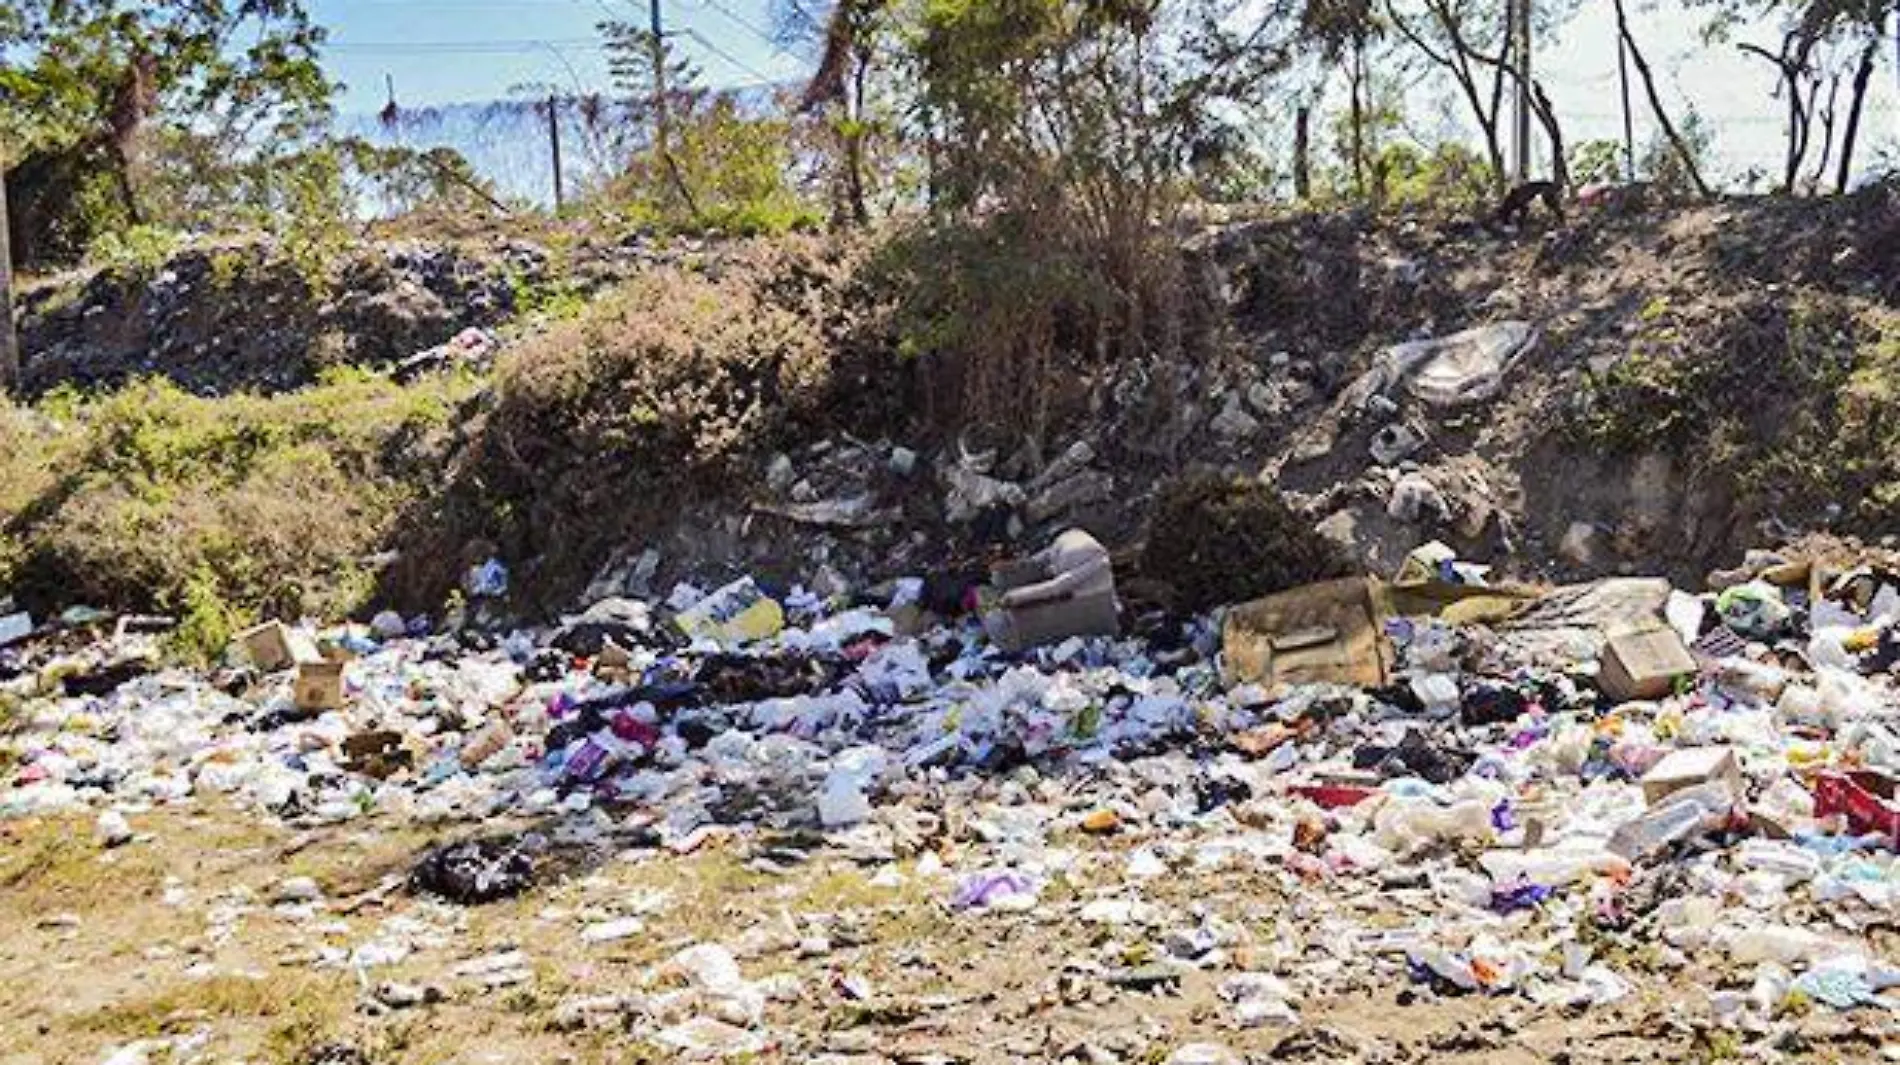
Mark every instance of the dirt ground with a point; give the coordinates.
(173, 939)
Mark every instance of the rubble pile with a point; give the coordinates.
(1456, 787)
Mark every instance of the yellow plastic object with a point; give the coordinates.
(737, 613)
(1801, 755)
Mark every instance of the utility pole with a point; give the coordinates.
(9, 344)
(1523, 90)
(1629, 119)
(659, 82)
(554, 143)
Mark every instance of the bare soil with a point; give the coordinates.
(172, 938)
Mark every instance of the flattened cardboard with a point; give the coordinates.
(1321, 633)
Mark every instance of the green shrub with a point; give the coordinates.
(1794, 404)
(670, 389)
(138, 251)
(214, 510)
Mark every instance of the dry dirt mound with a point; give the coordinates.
(216, 318)
(1704, 378)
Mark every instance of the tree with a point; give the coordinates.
(1819, 41)
(1684, 155)
(656, 81)
(1475, 42)
(1453, 35)
(852, 32)
(85, 78)
(1343, 30)
(9, 343)
(1063, 137)
(1863, 73)
(1672, 162)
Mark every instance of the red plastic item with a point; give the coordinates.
(1333, 796)
(1864, 797)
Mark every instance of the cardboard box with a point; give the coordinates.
(1643, 664)
(319, 685)
(274, 645)
(1322, 633)
(1689, 767)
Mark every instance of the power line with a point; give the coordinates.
(707, 43)
(452, 47)
(753, 27)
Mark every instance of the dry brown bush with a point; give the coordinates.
(668, 390)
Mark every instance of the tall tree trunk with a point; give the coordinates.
(1797, 133)
(1827, 134)
(1861, 76)
(1791, 63)
(9, 344)
(1458, 59)
(1302, 153)
(860, 212)
(1656, 105)
(1547, 117)
(1358, 119)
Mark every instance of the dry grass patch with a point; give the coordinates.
(53, 865)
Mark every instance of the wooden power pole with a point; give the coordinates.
(554, 143)
(659, 81)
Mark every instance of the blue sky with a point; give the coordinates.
(454, 51)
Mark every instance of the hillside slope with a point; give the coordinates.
(1704, 379)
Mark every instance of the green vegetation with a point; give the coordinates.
(1218, 540)
(666, 389)
(1797, 403)
(215, 510)
(138, 251)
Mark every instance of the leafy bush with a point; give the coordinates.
(659, 393)
(1794, 404)
(1219, 540)
(138, 251)
(216, 510)
(725, 171)
(1597, 162)
(1451, 178)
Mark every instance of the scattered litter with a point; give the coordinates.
(475, 871)
(1467, 787)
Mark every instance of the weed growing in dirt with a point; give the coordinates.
(299, 1007)
(53, 865)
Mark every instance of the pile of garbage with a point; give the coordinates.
(1517, 776)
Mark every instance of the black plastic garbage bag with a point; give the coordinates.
(476, 871)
